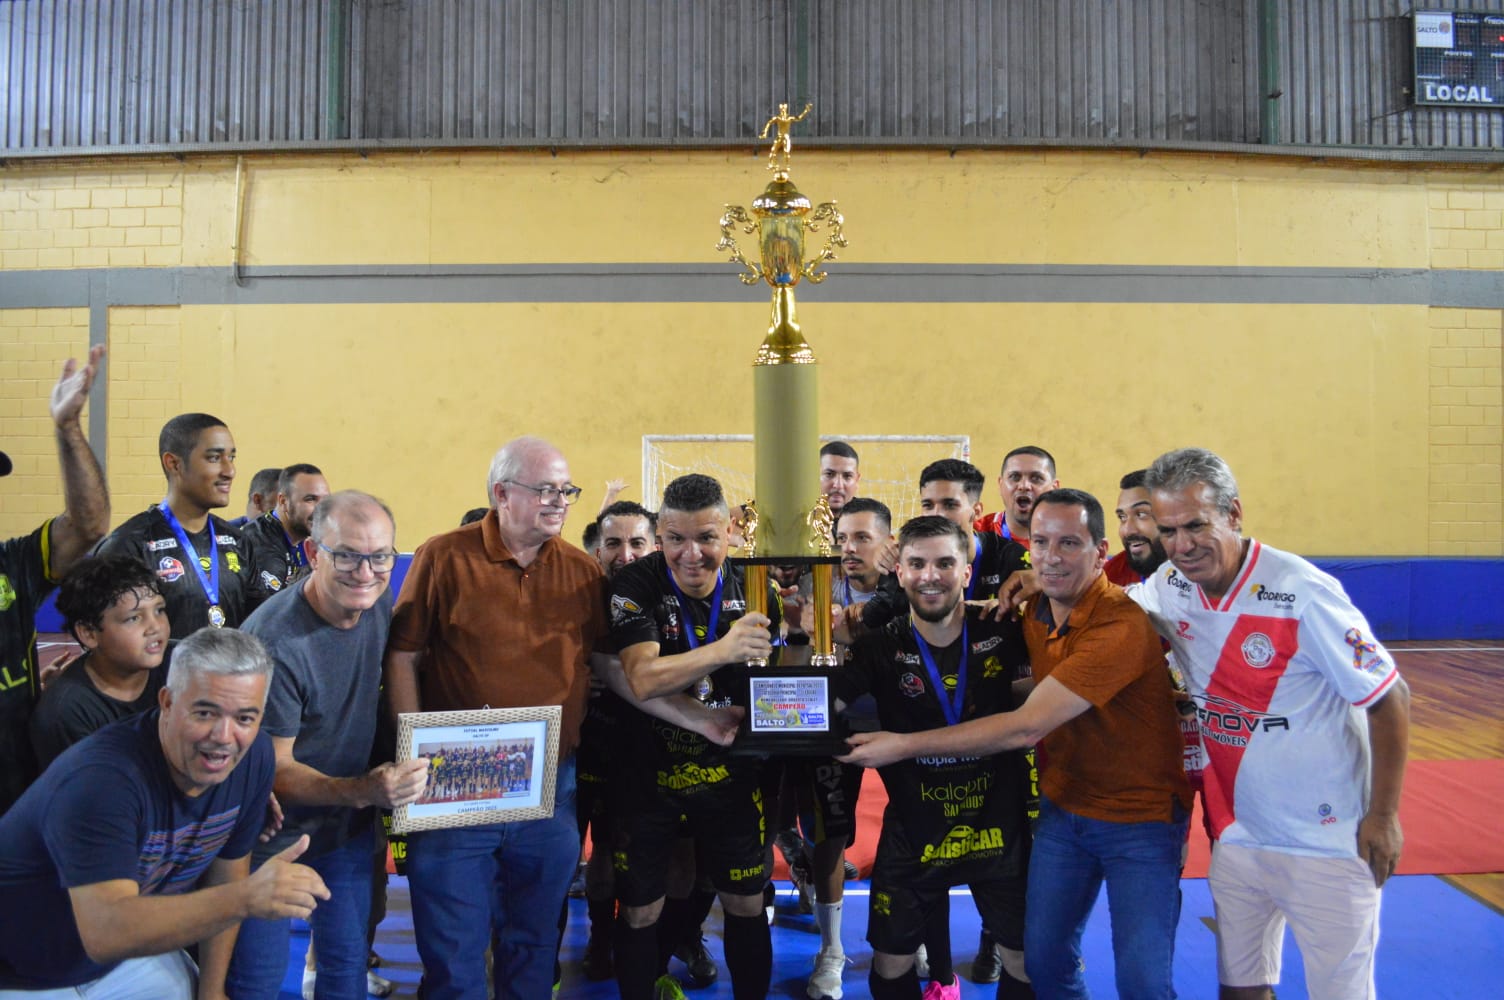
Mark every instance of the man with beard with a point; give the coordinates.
(205, 567)
(839, 474)
(952, 819)
(1028, 472)
(276, 537)
(1114, 802)
(1143, 552)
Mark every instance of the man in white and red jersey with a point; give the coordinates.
(1305, 721)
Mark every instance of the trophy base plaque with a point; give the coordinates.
(791, 712)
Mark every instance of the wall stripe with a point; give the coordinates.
(871, 283)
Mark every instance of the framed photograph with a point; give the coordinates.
(494, 765)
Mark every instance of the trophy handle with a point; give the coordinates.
(825, 213)
(737, 214)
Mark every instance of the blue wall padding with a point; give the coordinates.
(1402, 597)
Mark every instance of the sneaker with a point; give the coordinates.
(598, 966)
(577, 887)
(769, 897)
(790, 845)
(668, 988)
(799, 874)
(922, 962)
(376, 986)
(987, 967)
(309, 978)
(850, 870)
(696, 958)
(825, 983)
(934, 991)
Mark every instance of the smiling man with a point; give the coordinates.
(204, 566)
(1305, 721)
(501, 613)
(276, 537)
(136, 843)
(327, 636)
(680, 622)
(1114, 801)
(1143, 552)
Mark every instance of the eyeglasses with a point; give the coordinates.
(548, 494)
(349, 562)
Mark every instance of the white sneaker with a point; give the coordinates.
(309, 977)
(825, 983)
(922, 962)
(378, 986)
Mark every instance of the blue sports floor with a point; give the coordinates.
(1437, 943)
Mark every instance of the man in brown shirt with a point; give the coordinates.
(1114, 798)
(501, 613)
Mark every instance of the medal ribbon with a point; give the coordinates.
(715, 609)
(949, 705)
(210, 581)
(976, 567)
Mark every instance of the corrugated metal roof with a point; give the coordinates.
(88, 74)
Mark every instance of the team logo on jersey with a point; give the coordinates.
(233, 562)
(1183, 630)
(1258, 650)
(169, 570)
(910, 685)
(992, 667)
(161, 544)
(7, 593)
(1180, 583)
(1263, 593)
(273, 583)
(622, 608)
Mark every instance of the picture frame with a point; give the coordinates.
(493, 765)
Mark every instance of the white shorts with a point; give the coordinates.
(156, 977)
(1331, 904)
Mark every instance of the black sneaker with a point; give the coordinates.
(702, 968)
(987, 967)
(850, 870)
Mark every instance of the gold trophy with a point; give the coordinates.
(790, 709)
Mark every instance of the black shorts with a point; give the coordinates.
(727, 821)
(828, 792)
(898, 908)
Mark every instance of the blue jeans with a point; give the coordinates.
(510, 876)
(1141, 863)
(340, 929)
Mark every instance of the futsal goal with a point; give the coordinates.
(890, 464)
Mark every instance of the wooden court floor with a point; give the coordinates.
(1457, 713)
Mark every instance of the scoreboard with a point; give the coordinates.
(1459, 58)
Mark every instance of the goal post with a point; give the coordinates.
(890, 464)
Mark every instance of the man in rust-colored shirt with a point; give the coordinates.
(501, 613)
(1114, 801)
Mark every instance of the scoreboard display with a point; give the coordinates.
(1459, 58)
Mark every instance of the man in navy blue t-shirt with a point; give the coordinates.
(136, 842)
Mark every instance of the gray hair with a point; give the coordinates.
(337, 503)
(224, 652)
(507, 464)
(1178, 470)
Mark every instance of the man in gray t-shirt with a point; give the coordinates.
(326, 635)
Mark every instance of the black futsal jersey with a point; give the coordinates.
(25, 564)
(995, 558)
(278, 560)
(645, 607)
(958, 819)
(150, 540)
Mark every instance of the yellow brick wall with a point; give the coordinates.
(1466, 432)
(1342, 401)
(33, 345)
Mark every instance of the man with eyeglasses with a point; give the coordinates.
(502, 613)
(327, 635)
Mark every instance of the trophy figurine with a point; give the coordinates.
(790, 708)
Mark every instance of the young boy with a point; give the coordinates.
(114, 608)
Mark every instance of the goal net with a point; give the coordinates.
(890, 464)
